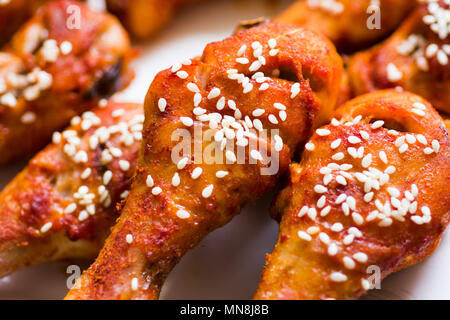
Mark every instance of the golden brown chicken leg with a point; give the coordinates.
(276, 79)
(63, 204)
(351, 25)
(56, 66)
(415, 57)
(370, 191)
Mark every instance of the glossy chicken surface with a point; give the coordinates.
(415, 57)
(369, 194)
(278, 79)
(143, 18)
(62, 204)
(351, 25)
(59, 64)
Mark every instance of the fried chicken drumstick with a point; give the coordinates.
(371, 190)
(56, 66)
(351, 25)
(415, 57)
(63, 204)
(278, 79)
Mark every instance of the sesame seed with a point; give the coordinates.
(310, 146)
(393, 73)
(377, 124)
(313, 230)
(426, 210)
(28, 117)
(336, 143)
(182, 163)
(196, 173)
(272, 119)
(435, 144)
(417, 220)
(303, 235)
(365, 284)
(303, 211)
(418, 112)
(332, 249)
(107, 176)
(354, 140)
(337, 227)
(383, 156)
(242, 50)
(134, 284)
(70, 208)
(403, 148)
(368, 197)
(348, 239)
(176, 179)
(272, 43)
(324, 238)
(221, 174)
(183, 214)
(320, 189)
(321, 202)
(323, 132)
(341, 180)
(312, 213)
(46, 227)
(188, 122)
(279, 106)
(264, 87)
(86, 173)
(258, 112)
(348, 263)
(182, 74)
(357, 218)
(83, 215)
(149, 181)
(338, 156)
(325, 211)
(124, 165)
(214, 93)
(295, 90)
(360, 257)
(338, 277)
(367, 161)
(206, 193)
(156, 191)
(231, 157)
(129, 238)
(162, 103)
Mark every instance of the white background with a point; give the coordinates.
(228, 263)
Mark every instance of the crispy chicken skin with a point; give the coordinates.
(388, 207)
(346, 22)
(62, 205)
(52, 70)
(414, 57)
(143, 18)
(175, 201)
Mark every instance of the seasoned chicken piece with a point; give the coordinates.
(415, 57)
(57, 66)
(351, 25)
(143, 18)
(219, 132)
(63, 204)
(368, 198)
(14, 13)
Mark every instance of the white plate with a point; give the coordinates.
(228, 263)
